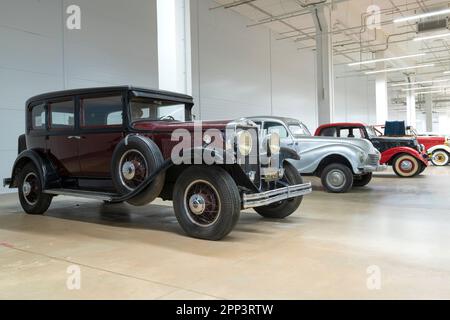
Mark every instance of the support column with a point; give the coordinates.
(411, 109)
(429, 112)
(324, 67)
(381, 92)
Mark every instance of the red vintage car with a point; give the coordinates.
(407, 157)
(118, 144)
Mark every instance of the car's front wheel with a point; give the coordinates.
(337, 178)
(285, 208)
(31, 195)
(207, 203)
(406, 166)
(440, 158)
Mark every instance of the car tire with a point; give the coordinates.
(337, 178)
(284, 209)
(362, 181)
(133, 161)
(206, 202)
(31, 195)
(440, 158)
(406, 166)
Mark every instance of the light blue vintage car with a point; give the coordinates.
(341, 163)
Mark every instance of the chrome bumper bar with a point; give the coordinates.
(378, 168)
(265, 198)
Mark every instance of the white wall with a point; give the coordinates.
(239, 71)
(117, 44)
(355, 97)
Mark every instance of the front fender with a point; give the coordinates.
(313, 153)
(439, 147)
(47, 172)
(389, 155)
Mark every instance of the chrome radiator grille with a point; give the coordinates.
(374, 159)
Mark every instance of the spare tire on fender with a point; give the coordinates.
(134, 159)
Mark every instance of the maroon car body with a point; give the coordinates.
(116, 144)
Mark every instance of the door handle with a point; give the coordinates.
(74, 138)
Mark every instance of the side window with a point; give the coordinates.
(328, 132)
(351, 133)
(62, 115)
(102, 112)
(271, 127)
(38, 118)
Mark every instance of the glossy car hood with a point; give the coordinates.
(363, 144)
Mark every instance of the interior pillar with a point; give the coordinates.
(381, 92)
(324, 67)
(429, 112)
(411, 109)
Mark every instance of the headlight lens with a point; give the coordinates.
(245, 143)
(274, 143)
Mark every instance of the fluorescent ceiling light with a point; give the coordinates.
(446, 72)
(425, 88)
(435, 36)
(429, 92)
(421, 16)
(386, 59)
(400, 69)
(419, 82)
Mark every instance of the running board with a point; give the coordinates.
(102, 196)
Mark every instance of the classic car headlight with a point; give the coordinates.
(245, 142)
(362, 157)
(274, 143)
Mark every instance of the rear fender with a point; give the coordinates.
(389, 155)
(47, 172)
(439, 147)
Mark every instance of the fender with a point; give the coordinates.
(439, 147)
(389, 155)
(47, 172)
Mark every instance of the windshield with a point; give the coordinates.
(157, 110)
(299, 130)
(373, 133)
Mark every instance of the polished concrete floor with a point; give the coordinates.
(386, 241)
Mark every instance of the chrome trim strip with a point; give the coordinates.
(81, 194)
(265, 198)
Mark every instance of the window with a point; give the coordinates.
(272, 127)
(102, 112)
(62, 115)
(299, 130)
(328, 132)
(156, 110)
(351, 133)
(38, 117)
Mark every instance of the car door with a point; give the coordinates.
(287, 141)
(101, 130)
(63, 136)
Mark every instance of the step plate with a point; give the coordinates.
(82, 194)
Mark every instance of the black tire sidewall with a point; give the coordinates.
(364, 181)
(44, 200)
(227, 192)
(345, 170)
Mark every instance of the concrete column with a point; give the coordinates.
(381, 92)
(411, 109)
(429, 112)
(324, 67)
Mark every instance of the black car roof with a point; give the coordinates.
(140, 92)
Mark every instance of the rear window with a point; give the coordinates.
(38, 118)
(328, 132)
(62, 115)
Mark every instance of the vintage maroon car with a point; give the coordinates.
(116, 144)
(407, 157)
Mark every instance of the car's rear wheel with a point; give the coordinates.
(133, 162)
(440, 158)
(207, 203)
(337, 178)
(406, 166)
(284, 209)
(363, 180)
(32, 198)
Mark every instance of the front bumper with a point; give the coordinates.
(369, 169)
(265, 198)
